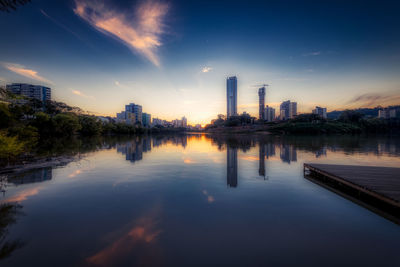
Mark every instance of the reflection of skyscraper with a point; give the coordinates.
(231, 96)
(288, 153)
(146, 144)
(269, 150)
(231, 160)
(261, 168)
(133, 150)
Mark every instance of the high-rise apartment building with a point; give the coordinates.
(288, 110)
(146, 119)
(231, 96)
(38, 92)
(320, 111)
(133, 113)
(261, 103)
(269, 113)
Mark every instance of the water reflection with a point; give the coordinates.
(106, 216)
(288, 153)
(232, 167)
(8, 216)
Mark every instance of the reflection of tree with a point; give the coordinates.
(8, 5)
(8, 214)
(317, 144)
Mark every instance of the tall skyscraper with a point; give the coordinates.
(261, 103)
(231, 96)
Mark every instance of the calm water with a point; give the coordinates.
(186, 200)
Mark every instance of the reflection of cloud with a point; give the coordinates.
(189, 161)
(315, 53)
(21, 70)
(373, 99)
(143, 233)
(142, 36)
(206, 69)
(249, 158)
(75, 173)
(24, 194)
(210, 198)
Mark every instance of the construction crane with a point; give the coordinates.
(261, 85)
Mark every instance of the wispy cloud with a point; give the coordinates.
(142, 35)
(79, 93)
(315, 53)
(375, 99)
(29, 73)
(206, 69)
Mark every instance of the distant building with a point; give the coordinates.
(184, 122)
(261, 103)
(288, 110)
(320, 111)
(387, 113)
(133, 113)
(231, 96)
(157, 122)
(269, 113)
(121, 117)
(38, 92)
(146, 119)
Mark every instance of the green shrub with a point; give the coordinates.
(10, 147)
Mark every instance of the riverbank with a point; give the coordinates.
(38, 162)
(312, 128)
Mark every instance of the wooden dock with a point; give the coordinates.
(377, 183)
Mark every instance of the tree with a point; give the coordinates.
(65, 124)
(350, 116)
(5, 116)
(90, 125)
(8, 5)
(10, 147)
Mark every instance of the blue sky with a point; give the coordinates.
(173, 57)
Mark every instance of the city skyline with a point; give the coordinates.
(176, 64)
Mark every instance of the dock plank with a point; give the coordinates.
(382, 183)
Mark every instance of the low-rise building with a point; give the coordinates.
(320, 111)
(269, 113)
(387, 113)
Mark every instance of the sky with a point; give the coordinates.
(173, 57)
